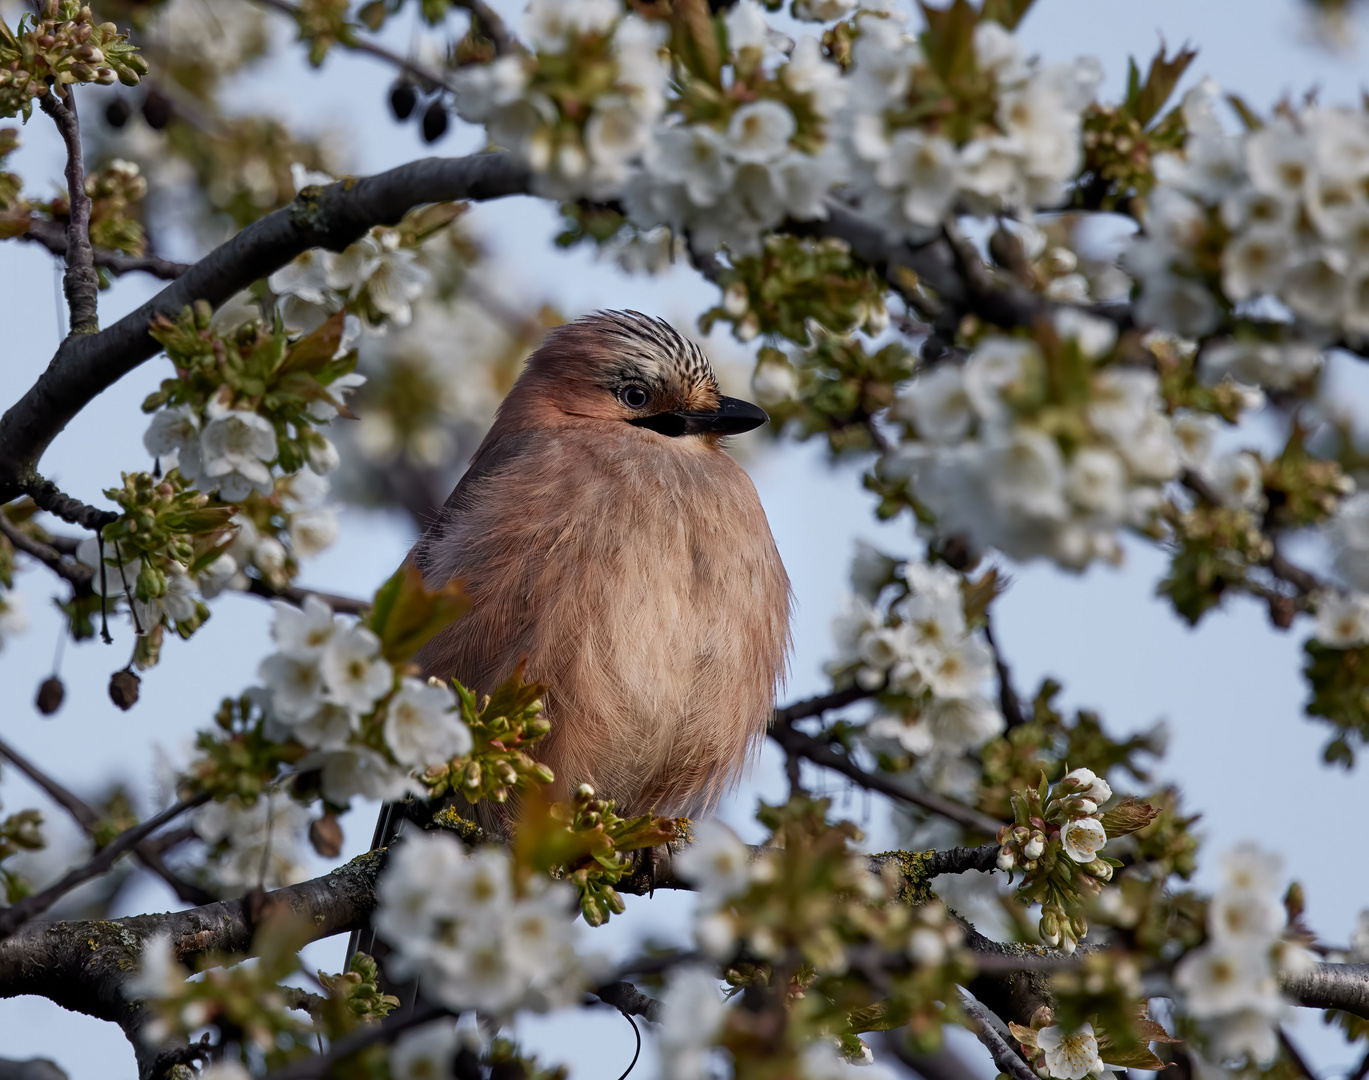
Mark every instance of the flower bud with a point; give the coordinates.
(735, 301)
(1099, 869)
(1031, 851)
(1006, 860)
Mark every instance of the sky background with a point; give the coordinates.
(1230, 691)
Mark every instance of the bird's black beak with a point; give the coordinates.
(732, 417)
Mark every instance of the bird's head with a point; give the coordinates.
(627, 367)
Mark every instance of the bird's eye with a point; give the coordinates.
(634, 397)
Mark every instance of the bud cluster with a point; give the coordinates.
(63, 44)
(503, 726)
(1054, 842)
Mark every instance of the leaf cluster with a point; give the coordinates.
(18, 832)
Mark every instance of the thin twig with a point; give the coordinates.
(78, 575)
(419, 71)
(53, 236)
(488, 22)
(816, 706)
(13, 917)
(795, 741)
(1004, 1056)
(628, 1000)
(347, 605)
(80, 283)
(1008, 701)
(1291, 1051)
(89, 819)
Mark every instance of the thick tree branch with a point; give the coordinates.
(330, 217)
(80, 283)
(89, 819)
(1331, 986)
(53, 236)
(13, 917)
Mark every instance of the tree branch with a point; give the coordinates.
(629, 1001)
(347, 605)
(79, 576)
(80, 282)
(421, 72)
(13, 917)
(331, 217)
(89, 819)
(797, 743)
(1331, 986)
(1004, 1056)
(53, 236)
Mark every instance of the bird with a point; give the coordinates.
(615, 552)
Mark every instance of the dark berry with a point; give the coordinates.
(403, 98)
(434, 122)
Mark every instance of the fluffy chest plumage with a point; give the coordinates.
(637, 577)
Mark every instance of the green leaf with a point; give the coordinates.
(948, 41)
(406, 615)
(1007, 12)
(1146, 102)
(1128, 816)
(315, 350)
(1248, 116)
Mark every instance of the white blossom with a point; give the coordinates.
(455, 922)
(1071, 1056)
(1239, 480)
(421, 727)
(1343, 619)
(258, 845)
(354, 673)
(1083, 839)
(692, 1013)
(717, 862)
(425, 1053)
(236, 449)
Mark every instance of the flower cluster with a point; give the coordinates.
(244, 401)
(809, 894)
(746, 147)
(475, 936)
(1052, 824)
(377, 277)
(1038, 447)
(1231, 983)
(61, 45)
(959, 119)
(579, 110)
(330, 689)
(1277, 213)
(253, 846)
(923, 651)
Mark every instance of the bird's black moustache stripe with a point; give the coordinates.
(732, 417)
